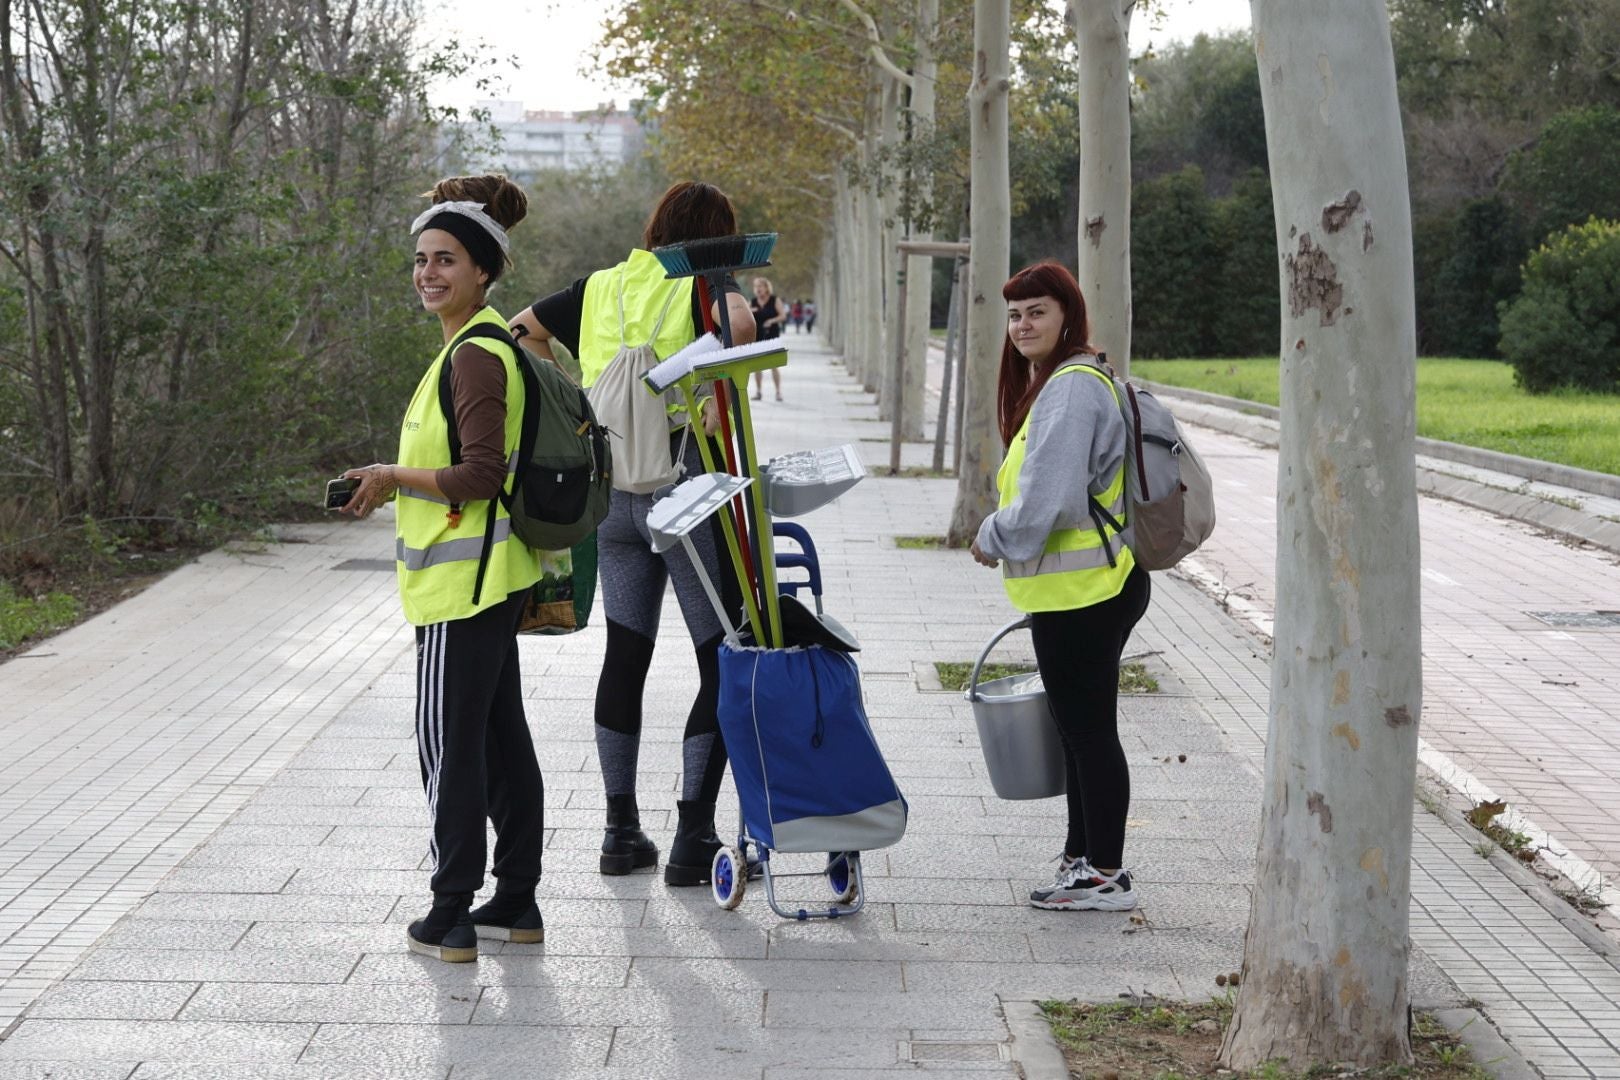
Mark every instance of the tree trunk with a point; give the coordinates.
(1325, 959)
(990, 220)
(919, 269)
(1102, 30)
(889, 234)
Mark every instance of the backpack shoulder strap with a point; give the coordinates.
(447, 405)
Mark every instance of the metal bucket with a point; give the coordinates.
(1022, 750)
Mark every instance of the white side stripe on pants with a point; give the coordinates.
(430, 723)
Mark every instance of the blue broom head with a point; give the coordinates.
(757, 248)
(716, 253)
(674, 261)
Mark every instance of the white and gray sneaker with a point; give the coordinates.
(1081, 887)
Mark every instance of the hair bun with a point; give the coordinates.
(503, 200)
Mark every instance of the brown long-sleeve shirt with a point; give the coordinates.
(478, 390)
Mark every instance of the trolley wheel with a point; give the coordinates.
(841, 866)
(728, 877)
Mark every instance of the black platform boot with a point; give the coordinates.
(692, 853)
(447, 932)
(510, 915)
(624, 846)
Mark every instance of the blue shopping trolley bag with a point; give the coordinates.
(809, 773)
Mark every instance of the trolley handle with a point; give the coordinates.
(973, 680)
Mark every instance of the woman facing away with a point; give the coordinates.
(477, 758)
(1064, 564)
(769, 315)
(632, 301)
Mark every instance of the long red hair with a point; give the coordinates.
(1020, 381)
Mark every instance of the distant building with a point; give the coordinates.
(533, 141)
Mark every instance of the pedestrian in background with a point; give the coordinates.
(472, 738)
(634, 302)
(1066, 566)
(809, 316)
(769, 316)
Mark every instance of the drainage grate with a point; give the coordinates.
(954, 1051)
(365, 564)
(1580, 620)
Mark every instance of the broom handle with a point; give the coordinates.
(727, 526)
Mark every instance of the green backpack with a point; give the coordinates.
(564, 478)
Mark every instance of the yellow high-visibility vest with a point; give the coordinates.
(1073, 571)
(653, 305)
(436, 558)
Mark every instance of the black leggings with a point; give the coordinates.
(624, 679)
(1078, 654)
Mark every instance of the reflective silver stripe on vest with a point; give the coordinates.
(465, 549)
(1117, 509)
(412, 493)
(1059, 562)
(427, 496)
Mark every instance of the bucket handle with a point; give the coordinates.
(973, 680)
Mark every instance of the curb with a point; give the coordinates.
(1033, 1046)
(1257, 424)
(1528, 881)
(1485, 1044)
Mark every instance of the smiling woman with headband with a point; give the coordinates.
(477, 757)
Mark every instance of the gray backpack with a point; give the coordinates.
(634, 414)
(1169, 498)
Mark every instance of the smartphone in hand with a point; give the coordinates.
(340, 491)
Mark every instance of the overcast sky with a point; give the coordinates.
(558, 70)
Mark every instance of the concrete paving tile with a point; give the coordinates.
(63, 1070)
(506, 968)
(199, 965)
(1088, 982)
(938, 1068)
(396, 1047)
(687, 1006)
(239, 879)
(655, 941)
(694, 1051)
(213, 907)
(383, 855)
(181, 934)
(80, 999)
(353, 880)
(345, 1004)
(162, 1071)
(882, 1011)
(155, 1040)
(817, 941)
(828, 976)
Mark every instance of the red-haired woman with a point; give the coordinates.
(1064, 562)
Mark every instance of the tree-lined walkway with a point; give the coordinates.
(277, 947)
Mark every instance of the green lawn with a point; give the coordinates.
(1473, 402)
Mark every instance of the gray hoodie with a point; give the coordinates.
(1076, 442)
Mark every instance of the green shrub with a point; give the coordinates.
(1175, 266)
(1571, 172)
(1248, 309)
(1564, 328)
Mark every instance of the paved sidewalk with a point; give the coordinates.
(276, 948)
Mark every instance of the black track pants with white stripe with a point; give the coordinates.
(477, 757)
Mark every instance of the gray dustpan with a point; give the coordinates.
(691, 503)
